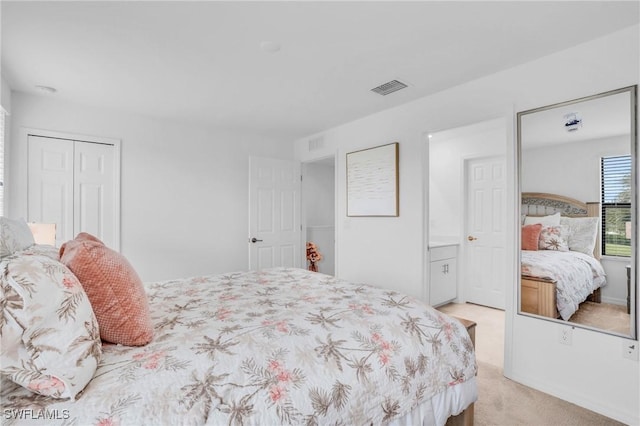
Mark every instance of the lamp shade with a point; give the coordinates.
(43, 233)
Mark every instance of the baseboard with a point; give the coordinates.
(614, 301)
(617, 413)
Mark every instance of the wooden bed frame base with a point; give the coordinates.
(466, 417)
(538, 296)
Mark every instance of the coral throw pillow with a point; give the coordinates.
(115, 291)
(530, 236)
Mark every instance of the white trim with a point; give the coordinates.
(426, 265)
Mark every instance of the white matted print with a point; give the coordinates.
(372, 181)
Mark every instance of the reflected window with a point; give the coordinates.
(616, 205)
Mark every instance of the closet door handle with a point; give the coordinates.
(255, 240)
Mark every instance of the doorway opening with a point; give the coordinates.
(318, 211)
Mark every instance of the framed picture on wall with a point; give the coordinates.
(372, 181)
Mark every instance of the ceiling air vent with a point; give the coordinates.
(390, 87)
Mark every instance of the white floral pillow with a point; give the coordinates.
(553, 238)
(15, 235)
(49, 335)
(550, 220)
(582, 233)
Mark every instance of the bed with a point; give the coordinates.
(277, 346)
(560, 269)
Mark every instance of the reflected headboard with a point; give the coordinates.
(543, 204)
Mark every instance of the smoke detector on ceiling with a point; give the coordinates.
(389, 87)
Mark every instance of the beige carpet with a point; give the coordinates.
(605, 316)
(502, 401)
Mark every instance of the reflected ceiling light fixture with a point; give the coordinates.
(270, 46)
(572, 121)
(46, 89)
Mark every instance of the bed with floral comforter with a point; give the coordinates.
(279, 346)
(575, 274)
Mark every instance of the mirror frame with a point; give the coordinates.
(633, 136)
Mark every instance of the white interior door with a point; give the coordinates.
(50, 184)
(274, 213)
(94, 191)
(485, 250)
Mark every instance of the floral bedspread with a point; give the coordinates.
(576, 275)
(280, 346)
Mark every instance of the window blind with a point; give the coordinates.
(616, 205)
(616, 179)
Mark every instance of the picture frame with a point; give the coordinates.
(373, 181)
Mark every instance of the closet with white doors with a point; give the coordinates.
(75, 184)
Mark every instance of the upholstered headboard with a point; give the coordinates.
(542, 204)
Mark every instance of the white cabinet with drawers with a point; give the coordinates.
(443, 277)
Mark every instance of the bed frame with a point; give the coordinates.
(466, 417)
(538, 296)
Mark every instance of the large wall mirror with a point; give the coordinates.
(578, 198)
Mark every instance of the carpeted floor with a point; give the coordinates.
(503, 402)
(605, 316)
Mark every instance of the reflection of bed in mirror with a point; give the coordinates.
(560, 267)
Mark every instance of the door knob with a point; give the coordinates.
(255, 240)
(471, 238)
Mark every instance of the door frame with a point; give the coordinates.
(23, 153)
(303, 216)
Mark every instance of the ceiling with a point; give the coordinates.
(601, 117)
(201, 62)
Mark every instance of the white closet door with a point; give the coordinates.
(94, 191)
(50, 184)
(74, 184)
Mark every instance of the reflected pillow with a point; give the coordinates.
(550, 220)
(15, 235)
(530, 236)
(116, 292)
(553, 238)
(582, 233)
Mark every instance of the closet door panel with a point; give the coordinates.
(50, 184)
(94, 191)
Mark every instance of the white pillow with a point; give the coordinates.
(546, 221)
(15, 235)
(582, 233)
(49, 337)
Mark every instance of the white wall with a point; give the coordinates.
(5, 104)
(573, 170)
(448, 151)
(390, 251)
(184, 187)
(5, 95)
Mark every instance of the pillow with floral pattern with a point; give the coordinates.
(49, 335)
(553, 238)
